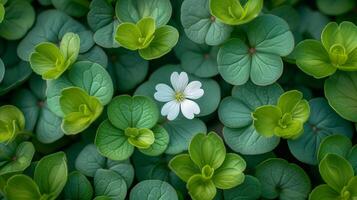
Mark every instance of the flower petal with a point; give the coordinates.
(189, 109)
(171, 109)
(179, 81)
(164, 93)
(193, 90)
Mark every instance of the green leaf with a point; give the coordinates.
(160, 144)
(19, 18)
(322, 122)
(197, 59)
(230, 173)
(350, 190)
(22, 187)
(282, 180)
(20, 160)
(335, 171)
(2, 12)
(153, 190)
(48, 61)
(51, 174)
(127, 35)
(69, 47)
(341, 92)
(313, 59)
(75, 8)
(127, 69)
(110, 184)
(323, 192)
(250, 189)
(266, 119)
(183, 167)
(79, 109)
(137, 112)
(51, 26)
(112, 142)
(333, 7)
(89, 160)
(135, 10)
(207, 150)
(89, 76)
(200, 188)
(78, 187)
(200, 26)
(181, 131)
(336, 144)
(12, 122)
(164, 39)
(141, 138)
(233, 13)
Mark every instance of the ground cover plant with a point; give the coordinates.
(178, 99)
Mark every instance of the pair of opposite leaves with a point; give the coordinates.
(286, 119)
(207, 166)
(338, 174)
(337, 50)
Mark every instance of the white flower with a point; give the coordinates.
(179, 97)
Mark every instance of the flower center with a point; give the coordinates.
(179, 96)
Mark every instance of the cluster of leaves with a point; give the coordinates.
(276, 116)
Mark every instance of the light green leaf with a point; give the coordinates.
(164, 39)
(266, 119)
(313, 59)
(78, 187)
(290, 129)
(69, 47)
(341, 93)
(336, 144)
(110, 184)
(79, 110)
(230, 173)
(207, 150)
(20, 160)
(335, 171)
(137, 112)
(160, 144)
(127, 35)
(51, 174)
(2, 12)
(153, 190)
(89, 76)
(147, 29)
(12, 122)
(140, 138)
(183, 167)
(351, 188)
(22, 187)
(200, 188)
(292, 102)
(324, 192)
(135, 10)
(112, 142)
(233, 13)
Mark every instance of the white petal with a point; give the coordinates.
(193, 90)
(189, 109)
(171, 109)
(164, 93)
(179, 81)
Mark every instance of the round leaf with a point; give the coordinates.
(323, 122)
(153, 190)
(282, 180)
(200, 26)
(250, 189)
(22, 187)
(160, 143)
(73, 8)
(78, 187)
(110, 184)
